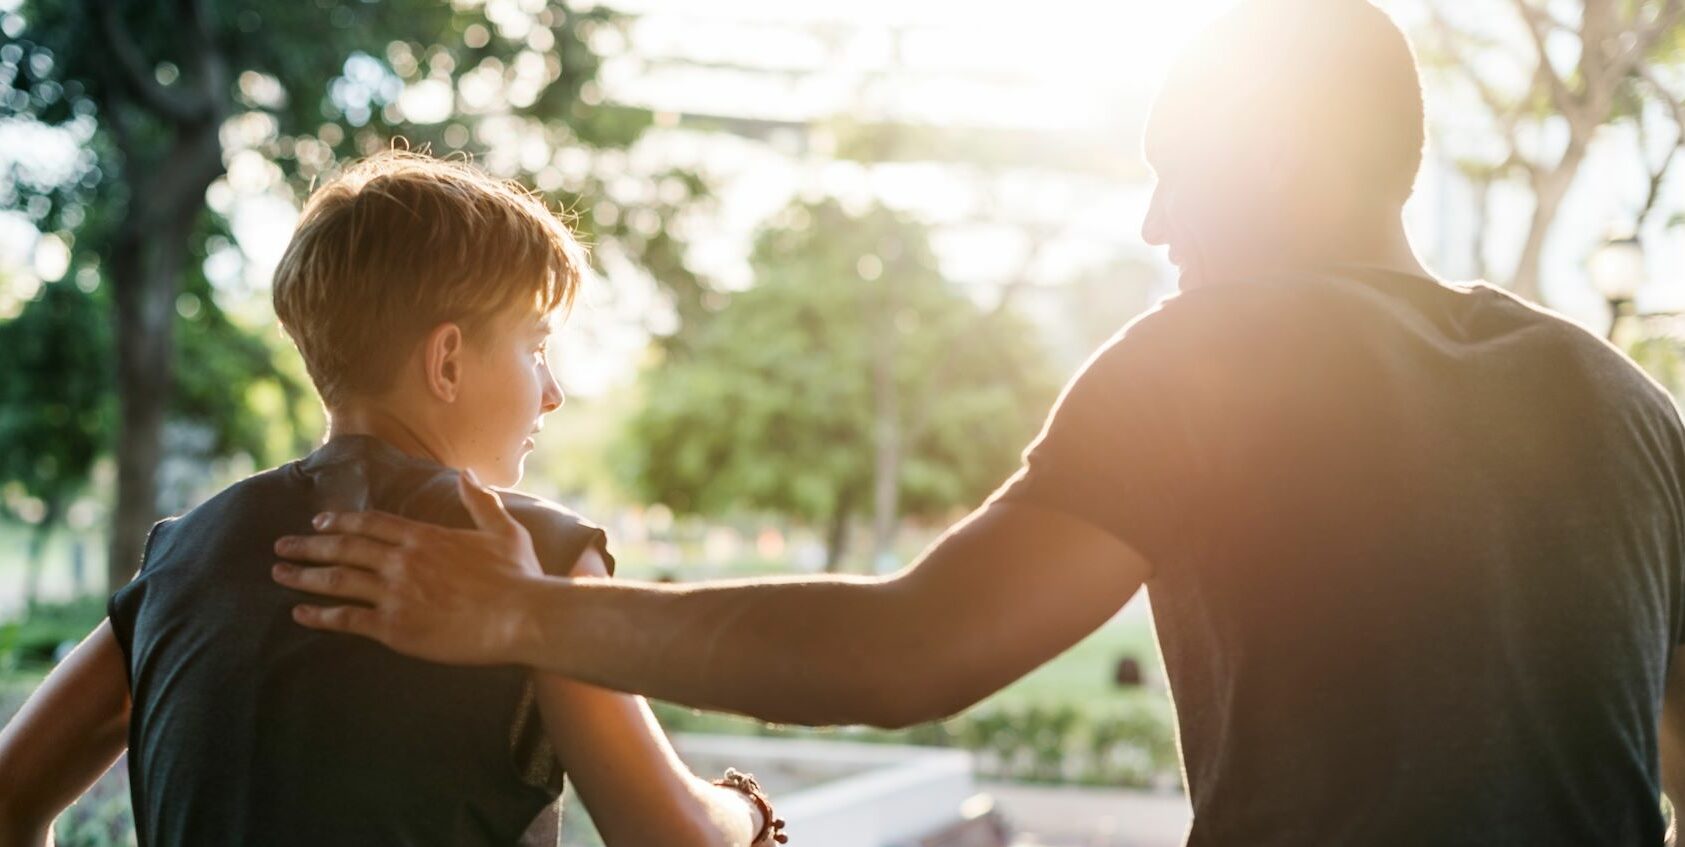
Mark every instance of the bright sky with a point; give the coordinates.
(1057, 63)
(1071, 66)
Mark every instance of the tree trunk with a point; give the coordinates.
(886, 432)
(146, 265)
(886, 428)
(1481, 189)
(145, 293)
(836, 540)
(1548, 191)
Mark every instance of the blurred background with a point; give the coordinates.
(844, 256)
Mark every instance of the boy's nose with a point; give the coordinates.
(553, 397)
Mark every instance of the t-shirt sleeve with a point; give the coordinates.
(1119, 450)
(560, 536)
(124, 605)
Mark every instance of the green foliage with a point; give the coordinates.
(103, 817)
(1128, 744)
(58, 405)
(234, 381)
(313, 84)
(304, 87)
(57, 411)
(1663, 358)
(772, 404)
(35, 641)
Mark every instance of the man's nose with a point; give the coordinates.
(1155, 229)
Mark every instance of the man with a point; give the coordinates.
(1414, 550)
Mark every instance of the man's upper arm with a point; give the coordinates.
(1127, 445)
(1106, 494)
(1013, 586)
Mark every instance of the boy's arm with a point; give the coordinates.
(635, 787)
(66, 735)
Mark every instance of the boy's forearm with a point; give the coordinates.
(806, 651)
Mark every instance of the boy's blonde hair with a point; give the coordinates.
(401, 242)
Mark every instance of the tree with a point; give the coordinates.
(1579, 73)
(166, 100)
(58, 413)
(852, 376)
(55, 411)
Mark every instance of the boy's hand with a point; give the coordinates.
(447, 595)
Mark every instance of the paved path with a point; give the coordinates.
(1055, 816)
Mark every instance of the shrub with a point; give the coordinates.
(46, 631)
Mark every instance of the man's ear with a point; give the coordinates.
(441, 361)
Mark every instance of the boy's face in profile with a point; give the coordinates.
(506, 389)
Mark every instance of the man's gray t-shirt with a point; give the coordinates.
(1416, 556)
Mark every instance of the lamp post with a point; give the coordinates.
(1617, 272)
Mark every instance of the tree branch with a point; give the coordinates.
(1506, 114)
(211, 66)
(136, 76)
(1658, 176)
(1539, 25)
(1645, 36)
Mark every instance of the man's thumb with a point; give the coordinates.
(482, 503)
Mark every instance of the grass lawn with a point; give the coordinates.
(57, 579)
(1084, 673)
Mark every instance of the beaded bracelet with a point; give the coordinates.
(746, 785)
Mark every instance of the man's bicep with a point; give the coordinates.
(1015, 585)
(1123, 448)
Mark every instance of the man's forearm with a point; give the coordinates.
(817, 651)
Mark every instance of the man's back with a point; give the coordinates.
(1417, 558)
(249, 729)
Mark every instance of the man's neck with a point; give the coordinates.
(1384, 247)
(360, 418)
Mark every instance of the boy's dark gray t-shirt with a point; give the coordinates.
(250, 729)
(1416, 553)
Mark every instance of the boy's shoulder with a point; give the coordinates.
(272, 501)
(559, 534)
(251, 498)
(555, 528)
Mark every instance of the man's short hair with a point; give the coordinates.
(1335, 79)
(401, 242)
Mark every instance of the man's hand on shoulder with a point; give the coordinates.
(409, 585)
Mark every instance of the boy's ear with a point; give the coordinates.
(441, 357)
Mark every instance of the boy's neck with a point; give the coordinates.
(379, 422)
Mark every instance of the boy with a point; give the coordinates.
(419, 293)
